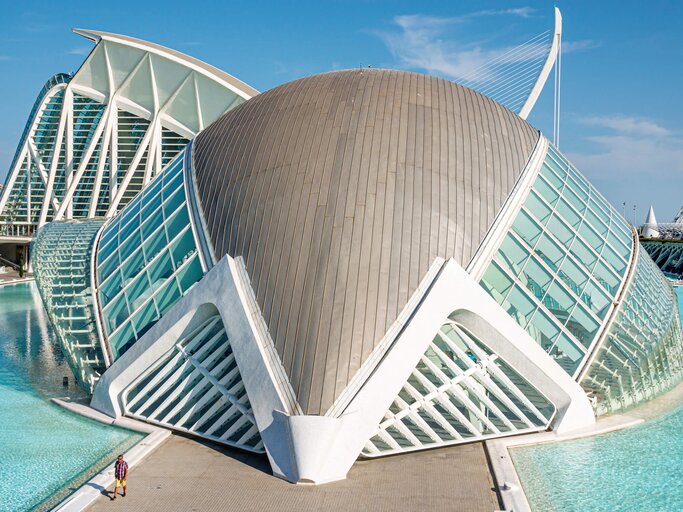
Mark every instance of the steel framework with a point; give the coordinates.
(96, 138)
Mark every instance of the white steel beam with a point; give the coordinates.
(547, 67)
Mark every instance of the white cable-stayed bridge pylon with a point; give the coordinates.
(516, 78)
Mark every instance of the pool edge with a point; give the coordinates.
(87, 493)
(509, 486)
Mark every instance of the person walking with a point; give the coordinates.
(120, 473)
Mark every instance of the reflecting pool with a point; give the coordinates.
(44, 450)
(637, 469)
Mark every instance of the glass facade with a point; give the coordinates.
(28, 191)
(62, 254)
(460, 391)
(560, 266)
(147, 259)
(642, 353)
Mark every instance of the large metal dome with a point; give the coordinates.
(339, 190)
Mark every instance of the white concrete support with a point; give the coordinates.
(453, 293)
(319, 449)
(221, 289)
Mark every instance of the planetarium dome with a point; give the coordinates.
(339, 190)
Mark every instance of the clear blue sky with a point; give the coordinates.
(622, 87)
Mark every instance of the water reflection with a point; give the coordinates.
(30, 355)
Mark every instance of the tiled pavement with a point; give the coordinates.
(187, 475)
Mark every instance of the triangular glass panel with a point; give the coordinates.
(169, 76)
(140, 88)
(215, 99)
(122, 59)
(93, 73)
(183, 108)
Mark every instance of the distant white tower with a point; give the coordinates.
(650, 226)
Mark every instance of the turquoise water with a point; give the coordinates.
(43, 448)
(637, 469)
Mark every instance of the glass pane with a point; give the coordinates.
(526, 228)
(598, 223)
(154, 244)
(189, 275)
(583, 254)
(175, 184)
(133, 265)
(573, 276)
(160, 270)
(116, 313)
(595, 299)
(591, 237)
(110, 288)
(512, 254)
(131, 211)
(520, 307)
(559, 302)
(560, 230)
(553, 172)
(167, 296)
(152, 200)
(582, 326)
(549, 252)
(151, 223)
(133, 242)
(122, 340)
(107, 248)
(138, 291)
(537, 208)
(151, 190)
(109, 232)
(128, 229)
(566, 354)
(614, 259)
(543, 330)
(177, 223)
(545, 191)
(574, 200)
(144, 319)
(183, 248)
(107, 267)
(621, 243)
(536, 278)
(173, 203)
(496, 282)
(606, 277)
(570, 216)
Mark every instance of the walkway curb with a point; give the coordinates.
(510, 487)
(85, 495)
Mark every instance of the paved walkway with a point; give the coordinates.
(188, 475)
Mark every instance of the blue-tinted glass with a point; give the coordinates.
(526, 228)
(189, 275)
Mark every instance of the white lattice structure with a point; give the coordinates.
(459, 392)
(96, 138)
(196, 387)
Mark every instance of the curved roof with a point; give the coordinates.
(237, 86)
(339, 190)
